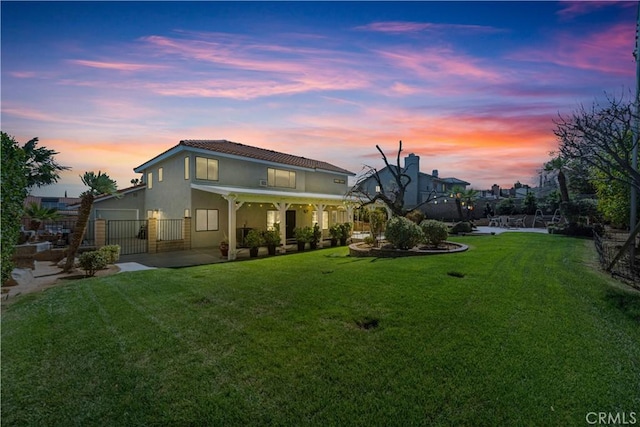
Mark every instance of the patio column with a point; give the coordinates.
(231, 213)
(350, 214)
(320, 208)
(282, 209)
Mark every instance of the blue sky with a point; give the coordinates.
(471, 87)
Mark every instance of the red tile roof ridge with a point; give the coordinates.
(236, 148)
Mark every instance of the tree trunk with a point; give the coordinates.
(459, 208)
(562, 183)
(81, 227)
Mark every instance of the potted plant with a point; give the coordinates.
(272, 239)
(303, 235)
(336, 234)
(254, 240)
(346, 233)
(224, 247)
(315, 236)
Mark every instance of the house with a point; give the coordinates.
(227, 188)
(421, 188)
(63, 205)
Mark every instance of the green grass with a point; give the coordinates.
(524, 333)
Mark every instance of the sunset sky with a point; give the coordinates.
(471, 87)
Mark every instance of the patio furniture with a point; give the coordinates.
(494, 221)
(519, 222)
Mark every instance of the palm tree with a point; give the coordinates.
(463, 196)
(38, 214)
(98, 184)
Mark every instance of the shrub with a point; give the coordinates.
(111, 253)
(303, 234)
(317, 234)
(91, 262)
(462, 227)
(335, 231)
(416, 216)
(370, 240)
(254, 239)
(377, 220)
(272, 237)
(507, 207)
(435, 232)
(346, 230)
(403, 233)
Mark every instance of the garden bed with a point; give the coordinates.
(364, 250)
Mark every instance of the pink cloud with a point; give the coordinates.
(119, 66)
(415, 27)
(571, 9)
(436, 63)
(23, 74)
(608, 51)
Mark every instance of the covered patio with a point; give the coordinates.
(281, 201)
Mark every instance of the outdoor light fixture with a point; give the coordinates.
(187, 213)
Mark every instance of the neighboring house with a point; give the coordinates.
(64, 205)
(422, 186)
(228, 188)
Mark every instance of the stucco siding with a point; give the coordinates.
(133, 201)
(325, 183)
(204, 200)
(171, 196)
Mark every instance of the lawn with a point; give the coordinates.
(519, 330)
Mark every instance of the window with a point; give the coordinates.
(150, 180)
(273, 218)
(325, 219)
(160, 171)
(206, 219)
(340, 181)
(206, 169)
(281, 178)
(186, 167)
(377, 188)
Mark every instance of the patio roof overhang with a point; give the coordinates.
(281, 200)
(267, 195)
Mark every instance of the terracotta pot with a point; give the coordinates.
(224, 250)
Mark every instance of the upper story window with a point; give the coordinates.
(186, 167)
(281, 178)
(206, 169)
(150, 180)
(160, 173)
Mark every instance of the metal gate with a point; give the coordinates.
(130, 234)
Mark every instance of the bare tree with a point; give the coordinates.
(392, 195)
(601, 138)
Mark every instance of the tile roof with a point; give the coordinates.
(234, 148)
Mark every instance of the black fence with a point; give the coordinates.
(170, 229)
(608, 245)
(129, 234)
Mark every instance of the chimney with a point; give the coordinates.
(435, 173)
